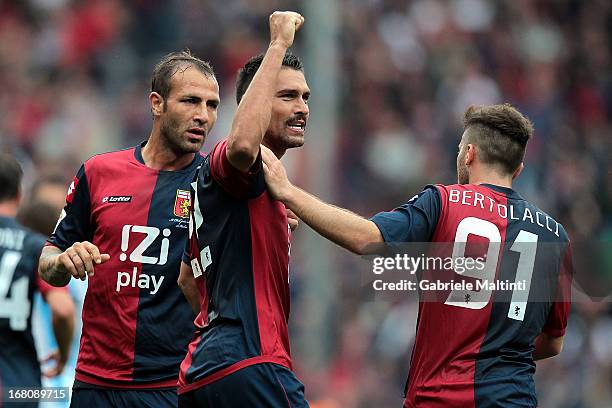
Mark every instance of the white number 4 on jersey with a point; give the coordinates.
(16, 308)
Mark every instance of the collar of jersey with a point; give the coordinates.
(8, 220)
(508, 192)
(139, 159)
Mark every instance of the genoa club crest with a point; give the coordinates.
(181, 204)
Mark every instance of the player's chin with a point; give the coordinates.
(193, 145)
(293, 141)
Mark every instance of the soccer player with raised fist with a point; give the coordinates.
(235, 272)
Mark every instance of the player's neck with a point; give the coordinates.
(9, 208)
(158, 156)
(491, 178)
(279, 153)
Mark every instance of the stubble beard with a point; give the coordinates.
(173, 139)
(291, 142)
(282, 143)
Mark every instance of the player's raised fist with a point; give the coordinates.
(283, 25)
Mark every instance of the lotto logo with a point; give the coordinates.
(117, 199)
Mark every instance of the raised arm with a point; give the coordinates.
(341, 226)
(253, 115)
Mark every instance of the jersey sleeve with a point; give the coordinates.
(74, 224)
(240, 184)
(557, 318)
(414, 221)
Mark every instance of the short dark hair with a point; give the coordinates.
(170, 65)
(38, 216)
(247, 72)
(501, 132)
(10, 177)
(46, 179)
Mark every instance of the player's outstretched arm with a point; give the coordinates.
(187, 283)
(62, 315)
(56, 267)
(341, 226)
(253, 115)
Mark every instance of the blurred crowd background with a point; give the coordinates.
(74, 81)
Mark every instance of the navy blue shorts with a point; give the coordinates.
(110, 398)
(264, 385)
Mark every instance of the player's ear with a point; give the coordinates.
(470, 154)
(157, 103)
(518, 171)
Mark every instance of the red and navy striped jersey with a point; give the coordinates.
(473, 348)
(238, 252)
(136, 321)
(19, 252)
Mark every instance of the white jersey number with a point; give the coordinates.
(16, 308)
(525, 244)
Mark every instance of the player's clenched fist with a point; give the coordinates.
(79, 259)
(283, 25)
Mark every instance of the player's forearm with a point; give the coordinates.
(254, 111)
(341, 226)
(62, 309)
(547, 346)
(188, 286)
(49, 271)
(191, 294)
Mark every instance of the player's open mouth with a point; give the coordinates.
(197, 132)
(297, 126)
